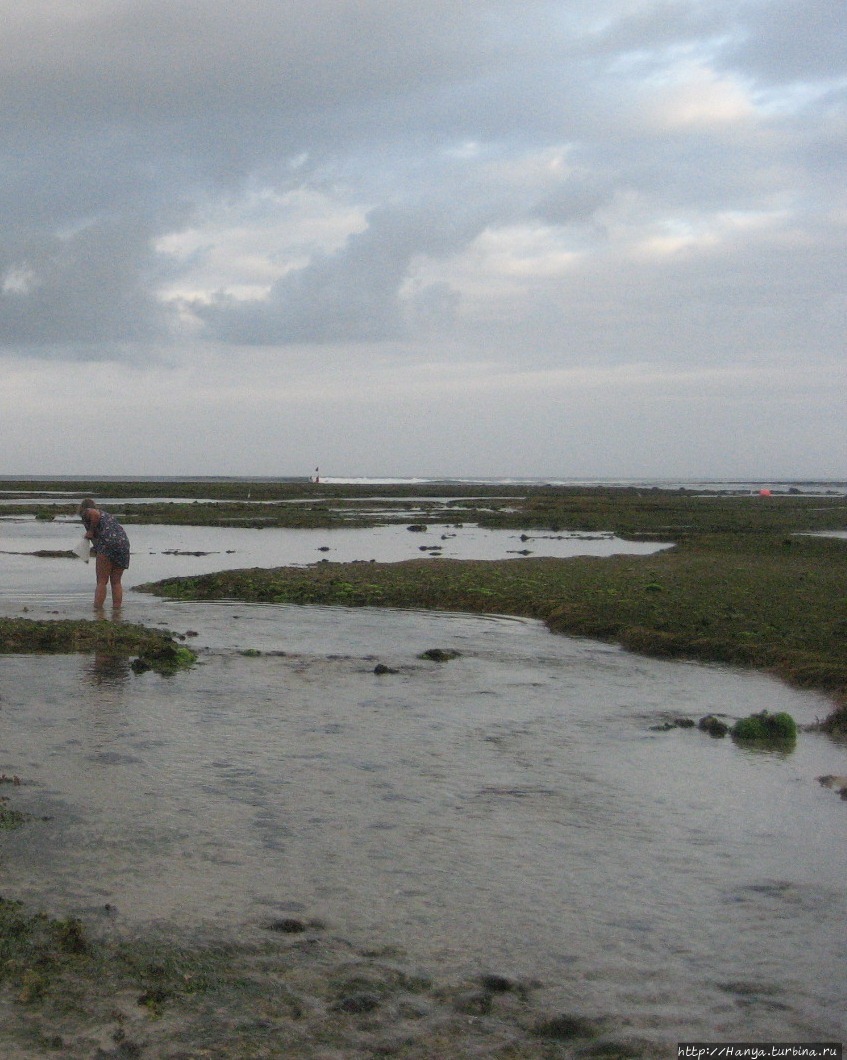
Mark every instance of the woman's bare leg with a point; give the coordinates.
(103, 571)
(117, 588)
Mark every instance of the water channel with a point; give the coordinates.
(518, 809)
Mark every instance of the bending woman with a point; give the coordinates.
(111, 550)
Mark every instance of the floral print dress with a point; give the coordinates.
(110, 540)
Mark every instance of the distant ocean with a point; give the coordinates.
(813, 487)
(783, 486)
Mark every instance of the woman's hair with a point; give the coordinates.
(85, 511)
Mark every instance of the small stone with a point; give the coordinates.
(563, 1028)
(288, 926)
(497, 984)
(357, 1004)
(381, 669)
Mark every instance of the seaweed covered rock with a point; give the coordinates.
(766, 728)
(713, 726)
(440, 654)
(156, 649)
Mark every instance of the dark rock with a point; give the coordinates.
(140, 666)
(381, 668)
(157, 995)
(675, 723)
(713, 726)
(417, 528)
(357, 1004)
(563, 1028)
(496, 984)
(288, 926)
(439, 654)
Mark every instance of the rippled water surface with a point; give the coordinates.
(514, 809)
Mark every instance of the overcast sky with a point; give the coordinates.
(442, 237)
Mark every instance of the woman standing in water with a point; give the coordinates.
(111, 549)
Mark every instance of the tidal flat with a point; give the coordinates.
(742, 585)
(751, 581)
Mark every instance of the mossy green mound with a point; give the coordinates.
(159, 649)
(766, 728)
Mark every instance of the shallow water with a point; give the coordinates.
(511, 811)
(168, 551)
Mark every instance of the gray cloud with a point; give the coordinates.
(791, 40)
(87, 286)
(511, 182)
(352, 295)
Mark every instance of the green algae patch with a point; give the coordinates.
(765, 728)
(158, 649)
(11, 819)
(38, 952)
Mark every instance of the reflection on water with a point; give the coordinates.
(514, 809)
(107, 671)
(174, 551)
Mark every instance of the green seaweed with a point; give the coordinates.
(766, 728)
(157, 648)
